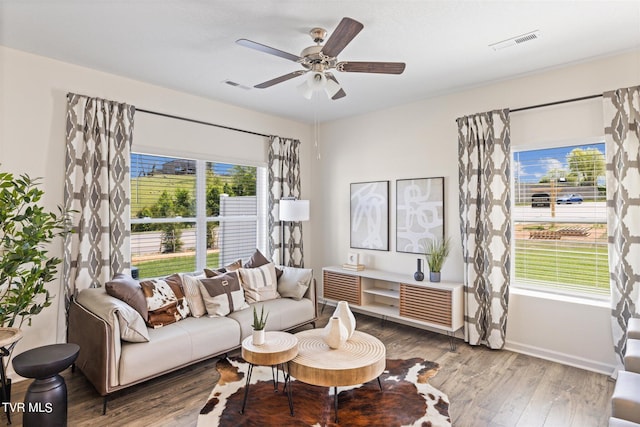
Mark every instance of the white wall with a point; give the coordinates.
(420, 140)
(32, 136)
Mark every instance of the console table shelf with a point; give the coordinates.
(397, 297)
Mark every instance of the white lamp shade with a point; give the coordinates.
(331, 88)
(294, 210)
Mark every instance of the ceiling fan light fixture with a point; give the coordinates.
(331, 88)
(305, 89)
(316, 80)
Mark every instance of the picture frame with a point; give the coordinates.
(353, 258)
(369, 218)
(420, 213)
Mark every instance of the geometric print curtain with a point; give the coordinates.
(484, 175)
(96, 192)
(284, 181)
(622, 138)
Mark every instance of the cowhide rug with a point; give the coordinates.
(407, 399)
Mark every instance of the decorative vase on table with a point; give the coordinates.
(258, 337)
(419, 275)
(343, 312)
(335, 334)
(434, 276)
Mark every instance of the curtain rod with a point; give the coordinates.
(548, 104)
(171, 116)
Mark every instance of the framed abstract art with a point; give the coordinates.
(419, 213)
(370, 215)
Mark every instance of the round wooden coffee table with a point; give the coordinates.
(278, 349)
(360, 359)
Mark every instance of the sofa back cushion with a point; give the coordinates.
(166, 303)
(223, 294)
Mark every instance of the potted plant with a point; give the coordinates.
(437, 252)
(26, 229)
(259, 322)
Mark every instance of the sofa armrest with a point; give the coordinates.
(92, 334)
(93, 325)
(313, 296)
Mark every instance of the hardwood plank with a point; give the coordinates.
(485, 387)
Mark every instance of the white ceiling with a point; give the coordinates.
(189, 45)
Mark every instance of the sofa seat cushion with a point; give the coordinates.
(284, 313)
(177, 344)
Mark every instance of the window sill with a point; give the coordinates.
(595, 301)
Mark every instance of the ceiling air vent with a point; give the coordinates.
(235, 84)
(514, 41)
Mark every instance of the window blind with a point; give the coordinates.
(559, 219)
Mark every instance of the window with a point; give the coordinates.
(189, 214)
(559, 219)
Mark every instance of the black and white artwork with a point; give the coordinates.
(370, 215)
(419, 213)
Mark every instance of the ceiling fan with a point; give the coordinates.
(318, 60)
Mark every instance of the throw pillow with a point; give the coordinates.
(230, 267)
(223, 294)
(294, 282)
(260, 284)
(191, 287)
(165, 301)
(258, 260)
(132, 326)
(127, 289)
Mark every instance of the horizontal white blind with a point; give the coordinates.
(165, 221)
(559, 219)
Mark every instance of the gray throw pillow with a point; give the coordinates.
(127, 289)
(294, 282)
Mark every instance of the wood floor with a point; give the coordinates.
(485, 387)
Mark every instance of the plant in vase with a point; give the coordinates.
(259, 323)
(437, 252)
(26, 230)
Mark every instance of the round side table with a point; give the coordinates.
(278, 349)
(46, 398)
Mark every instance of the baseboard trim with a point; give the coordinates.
(563, 358)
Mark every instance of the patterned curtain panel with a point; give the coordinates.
(485, 224)
(284, 181)
(622, 138)
(96, 188)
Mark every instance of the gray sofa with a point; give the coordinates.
(112, 364)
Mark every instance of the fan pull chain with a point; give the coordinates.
(316, 128)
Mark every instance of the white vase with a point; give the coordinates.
(258, 337)
(334, 334)
(347, 318)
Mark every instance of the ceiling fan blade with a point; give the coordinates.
(267, 49)
(346, 30)
(371, 67)
(341, 93)
(280, 79)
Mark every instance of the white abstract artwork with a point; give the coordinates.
(370, 215)
(419, 213)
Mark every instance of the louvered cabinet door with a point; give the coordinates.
(341, 287)
(426, 304)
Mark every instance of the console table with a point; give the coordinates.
(397, 297)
